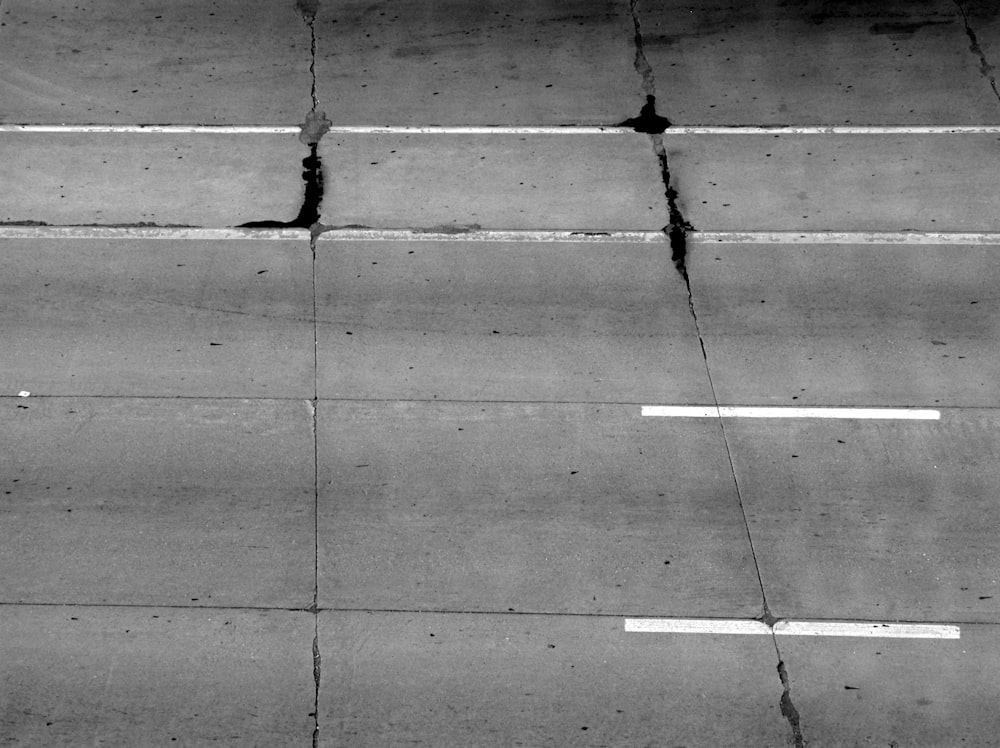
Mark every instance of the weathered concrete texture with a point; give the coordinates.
(460, 680)
(156, 502)
(147, 62)
(534, 508)
(837, 182)
(511, 321)
(850, 325)
(157, 318)
(921, 693)
(588, 182)
(155, 676)
(162, 178)
(815, 62)
(874, 520)
(458, 63)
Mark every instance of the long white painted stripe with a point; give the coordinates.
(869, 629)
(161, 129)
(694, 626)
(517, 129)
(409, 235)
(491, 235)
(730, 411)
(843, 237)
(876, 629)
(149, 232)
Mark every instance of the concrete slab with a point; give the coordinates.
(857, 325)
(146, 62)
(874, 520)
(604, 181)
(157, 502)
(532, 508)
(155, 676)
(153, 178)
(771, 62)
(460, 63)
(485, 680)
(156, 317)
(826, 182)
(896, 692)
(505, 321)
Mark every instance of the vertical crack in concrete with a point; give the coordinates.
(314, 608)
(317, 662)
(788, 710)
(316, 125)
(985, 68)
(648, 121)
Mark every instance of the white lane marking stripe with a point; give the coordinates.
(409, 235)
(694, 626)
(875, 629)
(515, 129)
(160, 129)
(871, 629)
(729, 411)
(488, 235)
(843, 237)
(148, 232)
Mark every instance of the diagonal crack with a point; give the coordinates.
(985, 68)
(677, 230)
(788, 709)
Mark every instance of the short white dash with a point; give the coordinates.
(729, 411)
(24, 393)
(876, 629)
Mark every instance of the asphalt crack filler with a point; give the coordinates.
(985, 69)
(653, 124)
(313, 129)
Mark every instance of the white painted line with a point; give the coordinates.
(160, 129)
(479, 235)
(481, 130)
(834, 130)
(493, 235)
(694, 626)
(730, 411)
(843, 237)
(869, 629)
(516, 129)
(148, 232)
(875, 629)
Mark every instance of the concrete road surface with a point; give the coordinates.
(453, 445)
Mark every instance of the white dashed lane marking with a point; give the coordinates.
(876, 629)
(730, 411)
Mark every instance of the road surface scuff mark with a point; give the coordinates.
(985, 68)
(788, 709)
(316, 125)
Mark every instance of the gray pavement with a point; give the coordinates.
(497, 181)
(819, 63)
(834, 324)
(139, 62)
(382, 488)
(166, 179)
